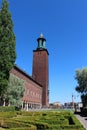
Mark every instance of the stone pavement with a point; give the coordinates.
(83, 120)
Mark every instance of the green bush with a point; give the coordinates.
(14, 124)
(4, 115)
(24, 128)
(7, 108)
(39, 121)
(32, 113)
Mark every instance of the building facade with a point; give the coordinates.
(33, 91)
(36, 86)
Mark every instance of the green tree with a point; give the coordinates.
(7, 46)
(81, 77)
(15, 90)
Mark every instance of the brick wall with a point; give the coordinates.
(40, 72)
(33, 91)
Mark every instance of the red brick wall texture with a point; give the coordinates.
(40, 72)
(33, 91)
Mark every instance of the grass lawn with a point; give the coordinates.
(40, 120)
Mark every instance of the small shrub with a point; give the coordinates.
(4, 115)
(7, 108)
(24, 128)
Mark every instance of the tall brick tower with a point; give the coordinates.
(40, 69)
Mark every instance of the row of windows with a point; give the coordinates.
(33, 94)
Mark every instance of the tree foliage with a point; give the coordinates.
(81, 77)
(7, 46)
(15, 90)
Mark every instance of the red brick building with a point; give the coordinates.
(36, 87)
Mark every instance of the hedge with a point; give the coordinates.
(4, 115)
(7, 108)
(39, 121)
(24, 128)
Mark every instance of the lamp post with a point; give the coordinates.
(72, 101)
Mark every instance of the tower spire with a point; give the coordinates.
(41, 35)
(41, 42)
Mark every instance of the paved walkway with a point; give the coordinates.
(83, 120)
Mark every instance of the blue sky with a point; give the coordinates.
(64, 25)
